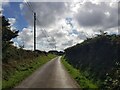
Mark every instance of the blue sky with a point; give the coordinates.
(67, 23)
(13, 11)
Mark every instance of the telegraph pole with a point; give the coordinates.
(34, 31)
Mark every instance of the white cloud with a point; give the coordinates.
(63, 37)
(47, 13)
(5, 2)
(1, 9)
(26, 37)
(87, 20)
(21, 6)
(93, 15)
(12, 21)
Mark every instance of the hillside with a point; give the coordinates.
(98, 58)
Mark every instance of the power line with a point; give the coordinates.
(28, 4)
(45, 32)
(43, 29)
(34, 23)
(31, 9)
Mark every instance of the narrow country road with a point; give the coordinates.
(51, 75)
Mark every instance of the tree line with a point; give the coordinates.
(99, 59)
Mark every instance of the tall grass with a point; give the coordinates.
(78, 76)
(20, 70)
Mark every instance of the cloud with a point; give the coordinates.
(25, 38)
(12, 21)
(21, 6)
(47, 12)
(3, 4)
(66, 25)
(100, 15)
(62, 36)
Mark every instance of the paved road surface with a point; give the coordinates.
(51, 75)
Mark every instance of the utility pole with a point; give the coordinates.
(34, 31)
(55, 42)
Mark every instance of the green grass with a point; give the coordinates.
(25, 69)
(78, 76)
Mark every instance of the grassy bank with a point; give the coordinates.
(16, 71)
(78, 76)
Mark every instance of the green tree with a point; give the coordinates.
(7, 35)
(112, 81)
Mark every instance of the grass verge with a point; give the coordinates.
(78, 76)
(25, 69)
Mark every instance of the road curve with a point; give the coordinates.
(51, 75)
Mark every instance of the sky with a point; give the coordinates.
(60, 24)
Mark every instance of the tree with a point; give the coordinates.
(7, 35)
(112, 81)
